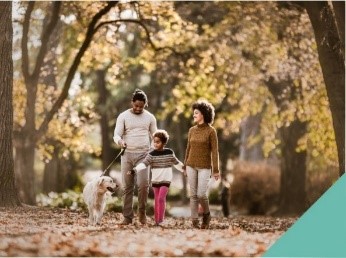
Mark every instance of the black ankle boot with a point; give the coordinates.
(195, 223)
(206, 220)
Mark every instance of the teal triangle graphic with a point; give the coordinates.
(320, 232)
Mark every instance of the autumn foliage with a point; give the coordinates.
(31, 231)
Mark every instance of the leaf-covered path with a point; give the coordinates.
(33, 231)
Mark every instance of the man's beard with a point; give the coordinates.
(137, 112)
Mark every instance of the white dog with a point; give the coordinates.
(94, 194)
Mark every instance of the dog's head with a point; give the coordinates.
(107, 183)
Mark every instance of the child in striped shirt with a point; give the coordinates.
(161, 160)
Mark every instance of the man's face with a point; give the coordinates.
(138, 106)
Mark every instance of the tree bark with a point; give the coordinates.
(24, 168)
(250, 128)
(108, 152)
(181, 155)
(333, 67)
(339, 12)
(60, 174)
(51, 174)
(293, 163)
(8, 191)
(293, 170)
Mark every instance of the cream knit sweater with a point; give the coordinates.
(135, 129)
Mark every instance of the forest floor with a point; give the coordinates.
(36, 231)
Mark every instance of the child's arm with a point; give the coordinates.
(140, 166)
(177, 163)
(179, 166)
(145, 163)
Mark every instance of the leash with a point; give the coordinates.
(119, 154)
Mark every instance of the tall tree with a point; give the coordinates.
(29, 135)
(254, 42)
(108, 152)
(293, 164)
(8, 191)
(329, 29)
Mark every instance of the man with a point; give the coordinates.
(133, 130)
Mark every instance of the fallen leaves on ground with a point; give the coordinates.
(34, 231)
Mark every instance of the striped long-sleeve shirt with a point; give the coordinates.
(161, 163)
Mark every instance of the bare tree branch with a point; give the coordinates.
(147, 32)
(92, 29)
(25, 55)
(47, 32)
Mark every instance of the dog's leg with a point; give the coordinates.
(100, 212)
(99, 216)
(90, 214)
(98, 220)
(95, 217)
(103, 207)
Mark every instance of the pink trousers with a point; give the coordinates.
(160, 194)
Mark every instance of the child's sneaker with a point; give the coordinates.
(163, 224)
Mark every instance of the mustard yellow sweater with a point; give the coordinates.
(202, 148)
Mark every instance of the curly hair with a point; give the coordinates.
(207, 110)
(162, 135)
(141, 96)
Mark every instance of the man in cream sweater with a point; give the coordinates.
(134, 129)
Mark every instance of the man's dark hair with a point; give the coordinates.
(207, 110)
(162, 135)
(141, 96)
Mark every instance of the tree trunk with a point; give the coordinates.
(8, 191)
(339, 12)
(224, 190)
(108, 152)
(51, 174)
(24, 168)
(181, 150)
(333, 68)
(223, 152)
(250, 129)
(293, 163)
(27, 138)
(293, 170)
(51, 170)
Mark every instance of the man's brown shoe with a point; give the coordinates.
(126, 221)
(142, 218)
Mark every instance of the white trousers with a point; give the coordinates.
(198, 179)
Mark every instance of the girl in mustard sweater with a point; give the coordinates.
(201, 160)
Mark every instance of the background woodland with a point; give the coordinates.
(273, 70)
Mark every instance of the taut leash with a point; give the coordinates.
(119, 154)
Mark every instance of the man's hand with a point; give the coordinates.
(122, 143)
(216, 176)
(131, 172)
